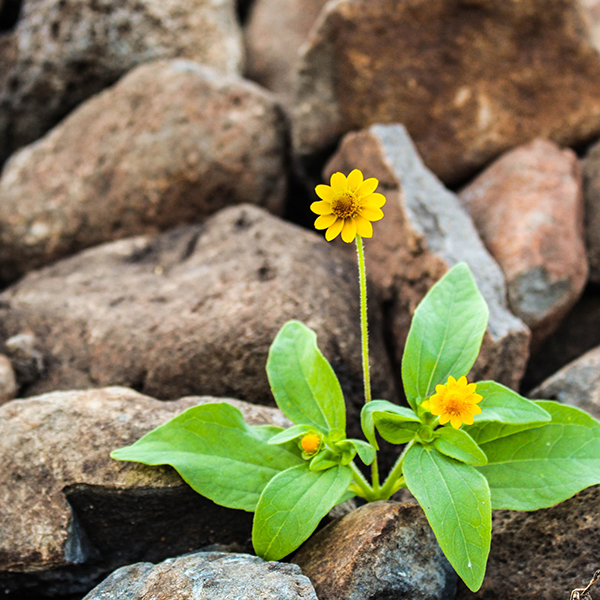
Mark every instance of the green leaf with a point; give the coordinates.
(366, 452)
(291, 433)
(216, 453)
(445, 334)
(540, 467)
(292, 505)
(397, 421)
(456, 500)
(303, 383)
(458, 444)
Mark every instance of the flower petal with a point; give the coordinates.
(474, 409)
(363, 227)
(324, 192)
(355, 179)
(462, 381)
(325, 221)
(373, 214)
(444, 418)
(321, 208)
(374, 200)
(456, 421)
(338, 182)
(468, 419)
(349, 231)
(334, 230)
(368, 186)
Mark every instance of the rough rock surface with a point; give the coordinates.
(207, 576)
(425, 232)
(542, 554)
(173, 142)
(275, 31)
(8, 380)
(591, 12)
(381, 550)
(591, 178)
(577, 384)
(467, 79)
(69, 513)
(60, 53)
(194, 311)
(528, 209)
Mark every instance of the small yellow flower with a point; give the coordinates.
(348, 206)
(455, 402)
(310, 443)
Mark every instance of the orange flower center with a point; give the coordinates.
(455, 403)
(310, 443)
(344, 205)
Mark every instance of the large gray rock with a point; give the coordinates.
(426, 231)
(381, 550)
(207, 576)
(69, 513)
(469, 80)
(173, 142)
(61, 53)
(194, 311)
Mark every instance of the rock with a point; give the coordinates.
(381, 550)
(591, 13)
(69, 514)
(542, 554)
(591, 178)
(207, 576)
(468, 80)
(26, 358)
(173, 142)
(577, 384)
(425, 232)
(8, 380)
(60, 53)
(275, 31)
(528, 209)
(194, 311)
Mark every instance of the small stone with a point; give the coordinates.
(26, 357)
(380, 550)
(8, 380)
(207, 576)
(528, 209)
(426, 231)
(174, 142)
(591, 178)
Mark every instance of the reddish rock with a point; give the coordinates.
(173, 142)
(528, 209)
(591, 179)
(425, 231)
(468, 80)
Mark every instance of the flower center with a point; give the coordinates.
(344, 205)
(310, 443)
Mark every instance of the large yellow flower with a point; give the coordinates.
(348, 206)
(455, 402)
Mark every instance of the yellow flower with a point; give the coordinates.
(455, 402)
(310, 443)
(348, 206)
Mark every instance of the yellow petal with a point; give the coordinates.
(349, 231)
(468, 419)
(325, 221)
(321, 208)
(363, 227)
(324, 192)
(440, 388)
(477, 398)
(474, 409)
(355, 179)
(451, 380)
(374, 200)
(471, 387)
(462, 381)
(368, 186)
(334, 230)
(425, 404)
(444, 418)
(373, 214)
(456, 421)
(338, 182)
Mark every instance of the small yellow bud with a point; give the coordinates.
(310, 443)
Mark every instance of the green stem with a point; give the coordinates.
(362, 281)
(362, 484)
(393, 482)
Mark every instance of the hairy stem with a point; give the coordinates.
(395, 480)
(362, 282)
(366, 491)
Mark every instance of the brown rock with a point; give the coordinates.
(577, 384)
(528, 209)
(61, 53)
(542, 554)
(67, 508)
(591, 178)
(194, 311)
(467, 79)
(173, 143)
(381, 550)
(425, 232)
(590, 10)
(8, 380)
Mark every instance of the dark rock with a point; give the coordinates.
(173, 142)
(8, 380)
(27, 360)
(207, 576)
(425, 231)
(381, 550)
(468, 80)
(591, 177)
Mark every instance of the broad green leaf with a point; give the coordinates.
(456, 500)
(366, 452)
(326, 459)
(493, 430)
(291, 433)
(445, 334)
(292, 505)
(303, 383)
(216, 453)
(458, 444)
(401, 419)
(540, 467)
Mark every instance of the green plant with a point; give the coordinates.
(468, 448)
